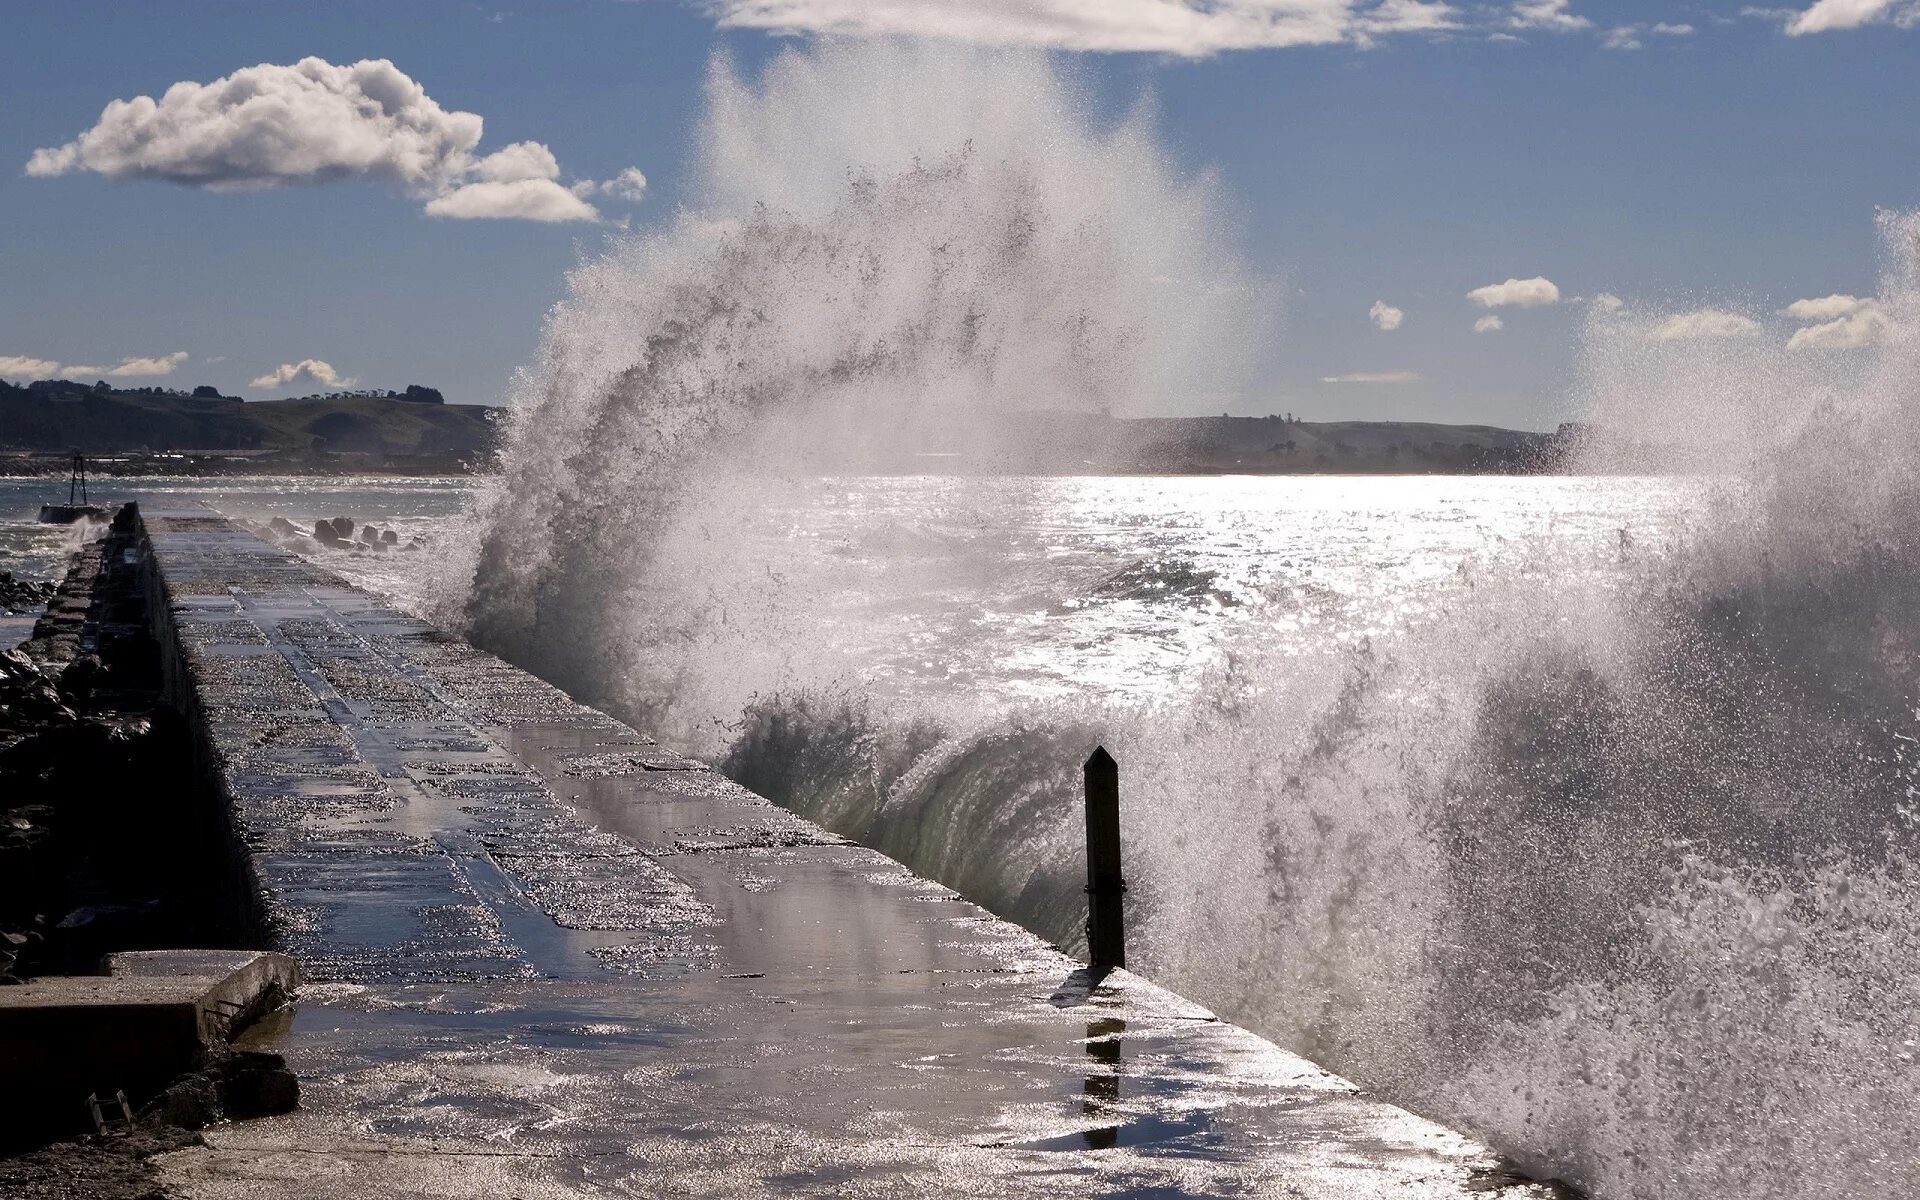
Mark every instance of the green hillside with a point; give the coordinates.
(57, 416)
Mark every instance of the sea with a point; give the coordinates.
(1581, 812)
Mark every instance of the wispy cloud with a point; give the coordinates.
(1373, 377)
(1187, 28)
(1633, 37)
(1704, 324)
(315, 122)
(1551, 15)
(1828, 16)
(1491, 323)
(17, 366)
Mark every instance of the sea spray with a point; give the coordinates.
(1611, 860)
(898, 247)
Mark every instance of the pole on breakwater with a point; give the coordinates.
(1106, 925)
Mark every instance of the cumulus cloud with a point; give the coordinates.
(1703, 324)
(1491, 323)
(1385, 316)
(25, 366)
(1607, 302)
(1538, 292)
(1551, 15)
(522, 199)
(1189, 28)
(131, 367)
(1827, 308)
(1827, 16)
(629, 185)
(1837, 322)
(1372, 377)
(315, 122)
(308, 371)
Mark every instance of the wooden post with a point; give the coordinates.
(1106, 926)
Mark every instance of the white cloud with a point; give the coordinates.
(1537, 292)
(1827, 16)
(1827, 308)
(1491, 323)
(308, 371)
(159, 364)
(629, 185)
(131, 367)
(1546, 14)
(1385, 316)
(1838, 322)
(1864, 328)
(1189, 28)
(1607, 302)
(1372, 377)
(1704, 323)
(524, 199)
(1623, 37)
(25, 366)
(311, 123)
(1664, 29)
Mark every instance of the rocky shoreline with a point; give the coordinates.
(99, 855)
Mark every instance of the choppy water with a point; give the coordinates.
(1577, 812)
(1601, 845)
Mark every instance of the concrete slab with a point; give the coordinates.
(549, 957)
(134, 1030)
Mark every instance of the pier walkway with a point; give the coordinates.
(550, 958)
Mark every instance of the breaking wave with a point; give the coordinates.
(1616, 867)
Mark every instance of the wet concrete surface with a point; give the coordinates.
(548, 957)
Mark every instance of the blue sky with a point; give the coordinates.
(1397, 153)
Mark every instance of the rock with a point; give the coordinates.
(82, 675)
(343, 528)
(390, 537)
(283, 528)
(254, 1083)
(27, 697)
(192, 1102)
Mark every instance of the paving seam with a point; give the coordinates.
(388, 762)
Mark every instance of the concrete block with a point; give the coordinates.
(136, 1029)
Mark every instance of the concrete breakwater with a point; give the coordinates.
(547, 956)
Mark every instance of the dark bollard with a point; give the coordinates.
(1106, 927)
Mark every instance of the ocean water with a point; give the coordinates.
(1580, 813)
(1577, 812)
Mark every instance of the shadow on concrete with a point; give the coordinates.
(1079, 988)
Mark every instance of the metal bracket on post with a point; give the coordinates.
(1106, 923)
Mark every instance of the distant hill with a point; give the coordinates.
(141, 430)
(1052, 442)
(1278, 445)
(342, 429)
